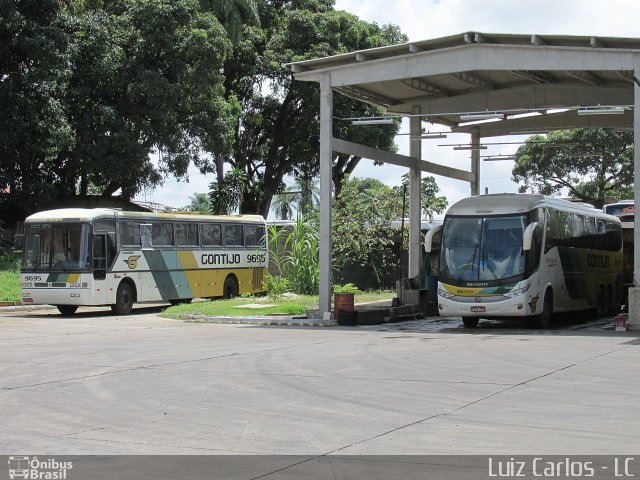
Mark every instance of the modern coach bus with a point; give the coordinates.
(518, 255)
(625, 211)
(76, 257)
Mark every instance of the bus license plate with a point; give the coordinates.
(477, 309)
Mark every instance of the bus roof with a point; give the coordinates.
(515, 203)
(89, 214)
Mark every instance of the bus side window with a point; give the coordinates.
(233, 235)
(254, 235)
(130, 233)
(187, 234)
(211, 235)
(162, 234)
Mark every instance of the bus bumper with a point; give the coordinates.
(59, 296)
(470, 307)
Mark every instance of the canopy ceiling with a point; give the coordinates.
(473, 72)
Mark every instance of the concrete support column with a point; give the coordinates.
(415, 177)
(634, 292)
(475, 163)
(326, 160)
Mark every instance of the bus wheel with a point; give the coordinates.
(544, 319)
(470, 322)
(67, 310)
(124, 300)
(230, 288)
(608, 300)
(601, 306)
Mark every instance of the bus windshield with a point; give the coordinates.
(483, 248)
(56, 246)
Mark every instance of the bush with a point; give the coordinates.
(275, 285)
(9, 258)
(346, 288)
(294, 253)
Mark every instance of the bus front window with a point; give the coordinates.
(62, 246)
(482, 248)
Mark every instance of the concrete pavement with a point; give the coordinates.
(142, 384)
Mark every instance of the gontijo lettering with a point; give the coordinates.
(220, 258)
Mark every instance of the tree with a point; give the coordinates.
(429, 202)
(147, 80)
(304, 196)
(283, 205)
(199, 203)
(88, 93)
(35, 66)
(590, 164)
(363, 233)
(278, 130)
(233, 14)
(226, 195)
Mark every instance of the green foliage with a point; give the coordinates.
(598, 164)
(199, 203)
(362, 230)
(278, 133)
(294, 252)
(9, 258)
(10, 289)
(275, 285)
(226, 194)
(429, 202)
(88, 93)
(35, 67)
(346, 288)
(304, 196)
(233, 14)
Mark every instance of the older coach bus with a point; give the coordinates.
(76, 257)
(518, 255)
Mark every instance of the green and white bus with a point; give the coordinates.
(75, 257)
(519, 255)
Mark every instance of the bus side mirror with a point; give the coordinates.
(527, 238)
(428, 238)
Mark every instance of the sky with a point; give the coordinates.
(427, 19)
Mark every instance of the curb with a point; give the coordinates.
(271, 321)
(10, 304)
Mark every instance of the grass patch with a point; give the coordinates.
(10, 286)
(297, 305)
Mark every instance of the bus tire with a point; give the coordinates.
(470, 322)
(230, 288)
(543, 320)
(609, 302)
(124, 299)
(601, 306)
(67, 310)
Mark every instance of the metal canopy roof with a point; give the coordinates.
(474, 72)
(536, 83)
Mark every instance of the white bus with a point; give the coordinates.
(625, 211)
(518, 255)
(76, 257)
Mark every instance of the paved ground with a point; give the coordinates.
(101, 384)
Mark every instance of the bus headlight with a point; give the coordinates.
(443, 293)
(516, 292)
